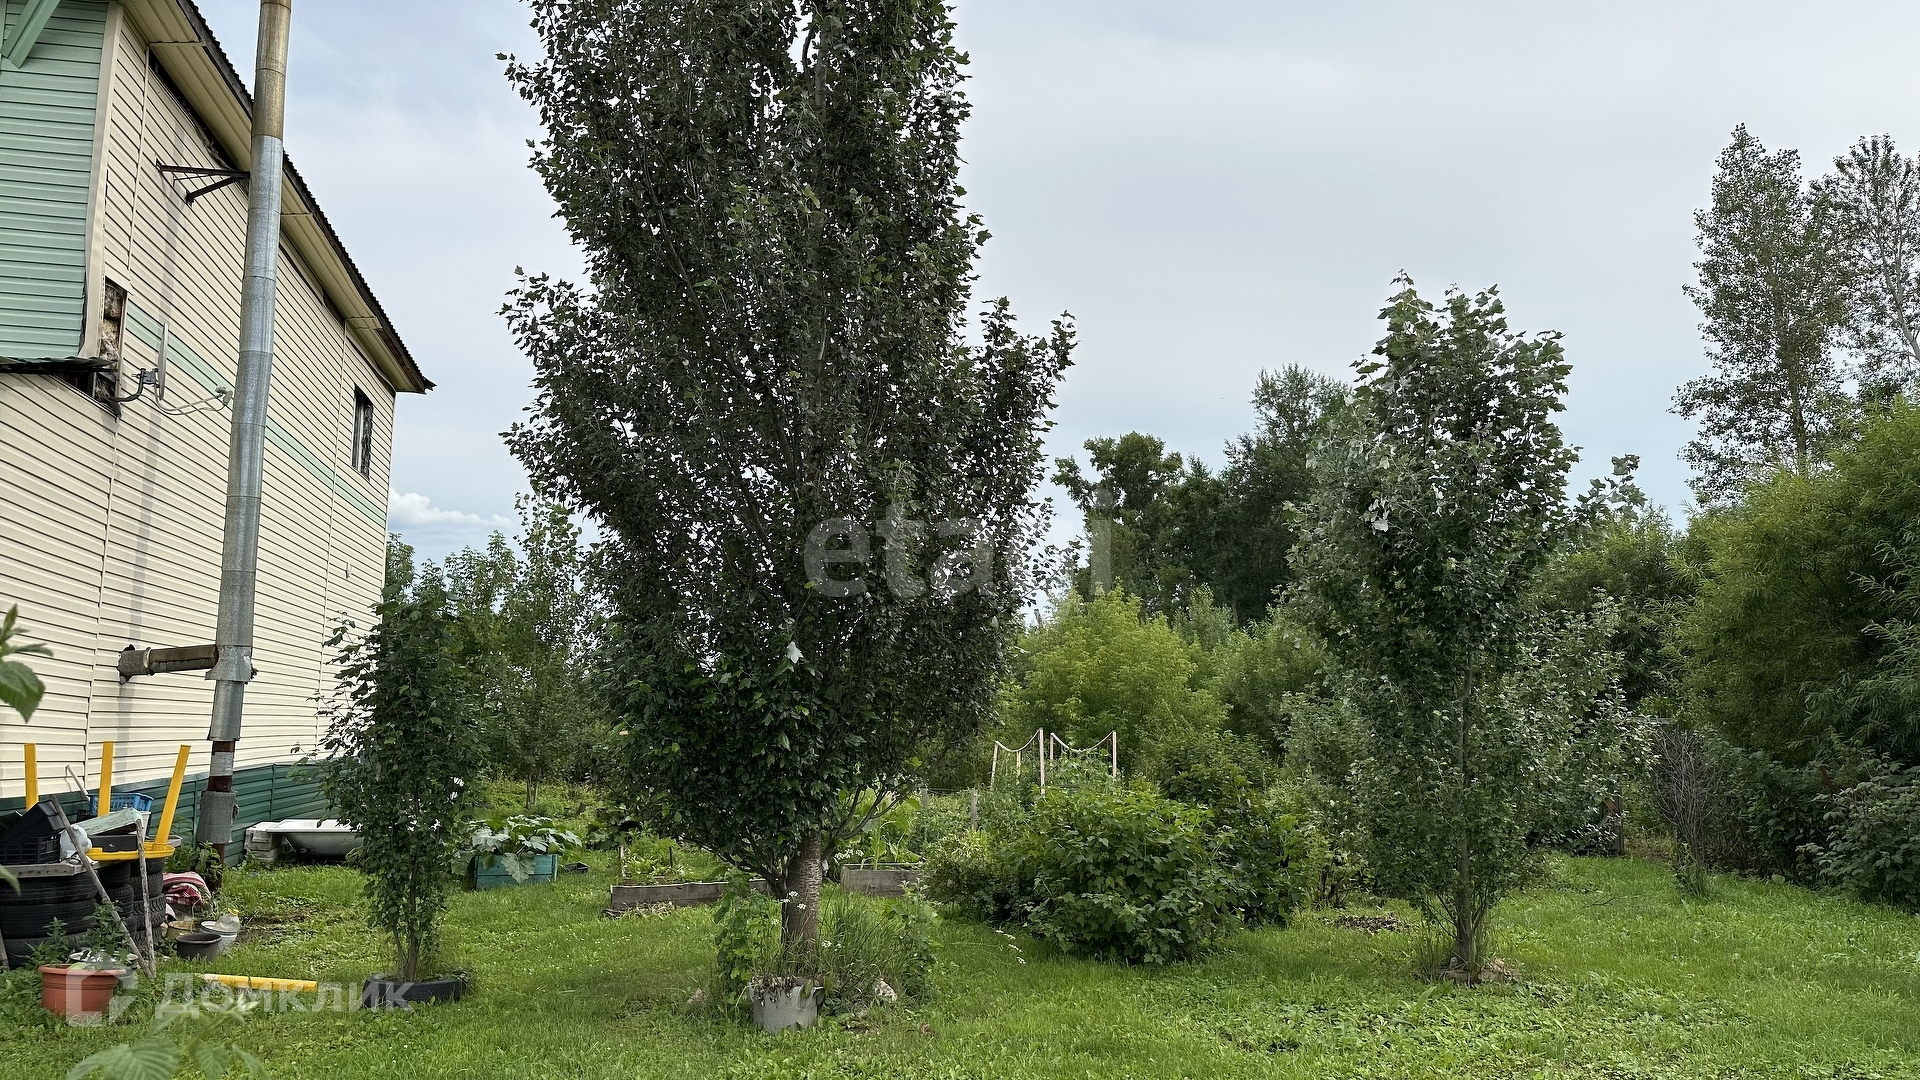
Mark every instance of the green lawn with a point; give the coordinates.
(1623, 978)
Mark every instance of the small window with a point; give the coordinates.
(362, 434)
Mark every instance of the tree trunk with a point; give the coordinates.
(800, 899)
(1466, 937)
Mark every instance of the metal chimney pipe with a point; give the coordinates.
(240, 539)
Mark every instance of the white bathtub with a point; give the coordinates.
(311, 836)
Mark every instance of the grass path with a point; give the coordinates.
(1623, 978)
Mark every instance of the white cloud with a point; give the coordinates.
(416, 519)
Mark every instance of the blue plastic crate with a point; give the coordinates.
(121, 801)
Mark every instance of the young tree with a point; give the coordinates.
(403, 757)
(1435, 507)
(768, 372)
(1773, 274)
(1876, 198)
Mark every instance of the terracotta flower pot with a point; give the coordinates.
(76, 991)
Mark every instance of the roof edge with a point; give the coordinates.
(303, 223)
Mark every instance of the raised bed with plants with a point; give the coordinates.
(514, 851)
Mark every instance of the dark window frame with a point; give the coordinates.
(361, 452)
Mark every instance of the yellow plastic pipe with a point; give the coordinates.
(248, 982)
(106, 779)
(33, 774)
(173, 796)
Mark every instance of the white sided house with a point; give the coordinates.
(124, 137)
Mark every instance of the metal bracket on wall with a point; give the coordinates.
(227, 177)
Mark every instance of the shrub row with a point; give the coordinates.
(1125, 874)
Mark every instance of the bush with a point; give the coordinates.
(1874, 851)
(1206, 768)
(1260, 671)
(967, 872)
(1100, 666)
(1122, 875)
(1266, 852)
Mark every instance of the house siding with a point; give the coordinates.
(119, 531)
(47, 116)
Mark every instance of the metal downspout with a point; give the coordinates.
(240, 538)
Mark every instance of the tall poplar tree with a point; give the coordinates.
(1773, 275)
(1875, 193)
(765, 378)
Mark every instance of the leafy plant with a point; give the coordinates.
(161, 1055)
(514, 843)
(20, 689)
(888, 835)
(403, 758)
(56, 949)
(1265, 851)
(1874, 851)
(968, 872)
(746, 939)
(1103, 665)
(866, 941)
(107, 943)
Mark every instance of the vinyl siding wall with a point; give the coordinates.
(47, 111)
(119, 539)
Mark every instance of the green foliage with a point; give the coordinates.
(1132, 506)
(1262, 673)
(1875, 846)
(1122, 875)
(1800, 597)
(1772, 289)
(514, 843)
(862, 941)
(1268, 855)
(970, 873)
(1436, 506)
(107, 942)
(405, 758)
(56, 949)
(163, 1054)
(20, 689)
(525, 632)
(1206, 768)
(1099, 666)
(1630, 556)
(1164, 529)
(746, 939)
(767, 200)
(1268, 473)
(1874, 194)
(888, 835)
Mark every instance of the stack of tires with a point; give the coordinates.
(26, 917)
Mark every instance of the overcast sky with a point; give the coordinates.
(1210, 188)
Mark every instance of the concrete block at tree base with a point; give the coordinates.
(879, 881)
(684, 894)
